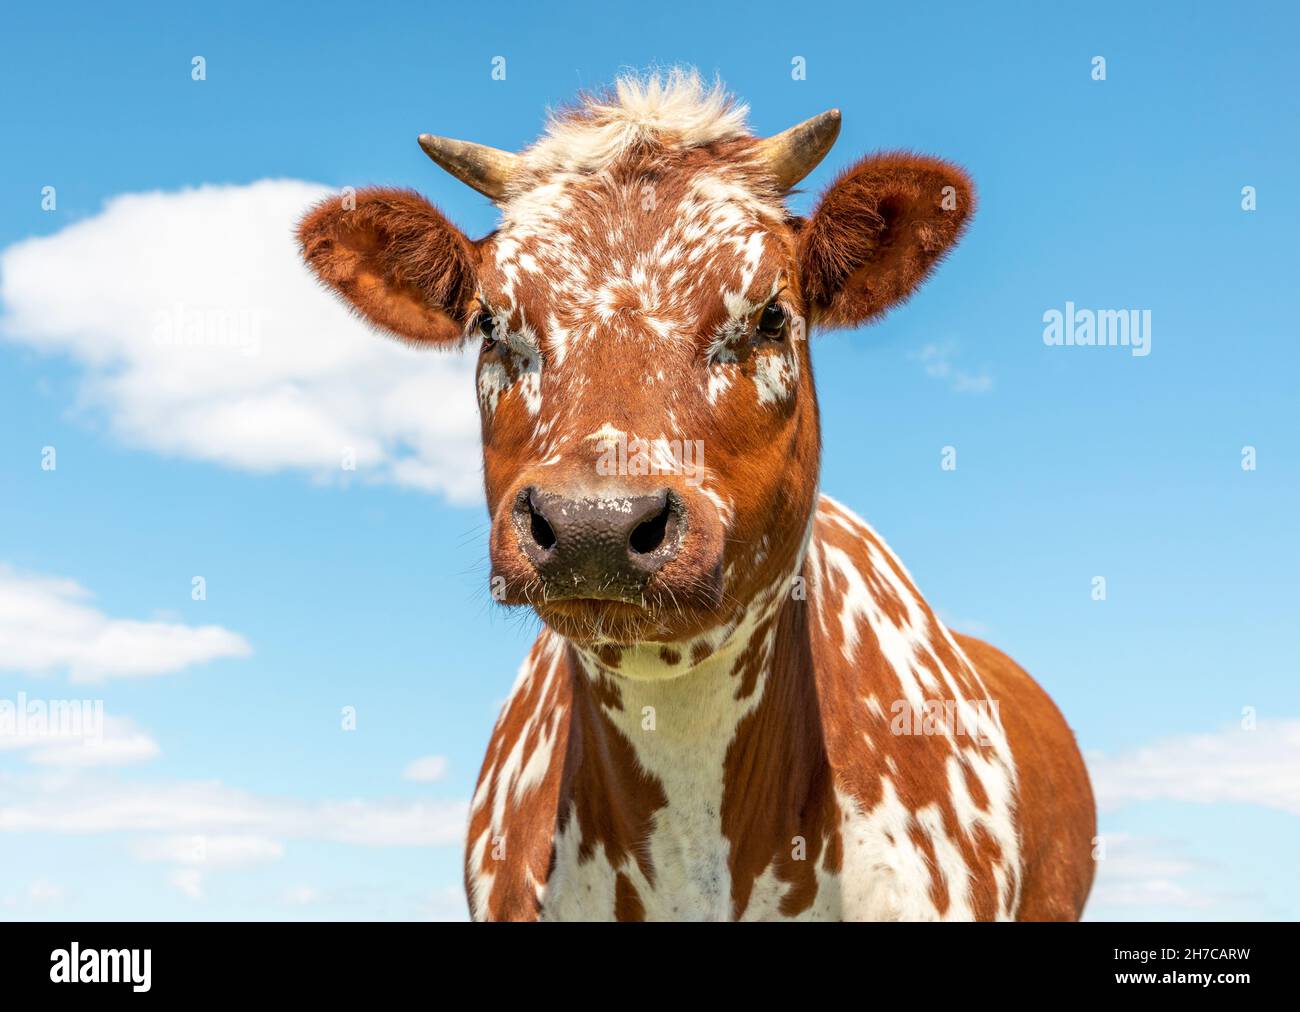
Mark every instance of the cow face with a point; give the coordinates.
(649, 422)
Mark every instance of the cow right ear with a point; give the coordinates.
(396, 260)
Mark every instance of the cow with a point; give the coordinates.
(739, 706)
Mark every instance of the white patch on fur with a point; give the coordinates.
(776, 377)
(607, 435)
(719, 381)
(526, 361)
(722, 190)
(492, 380)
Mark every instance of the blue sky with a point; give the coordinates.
(229, 788)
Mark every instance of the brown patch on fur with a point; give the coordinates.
(938, 883)
(979, 797)
(627, 901)
(1058, 818)
(777, 782)
(749, 663)
(605, 787)
(605, 690)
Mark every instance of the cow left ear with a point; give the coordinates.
(878, 232)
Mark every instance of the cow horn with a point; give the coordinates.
(486, 169)
(792, 154)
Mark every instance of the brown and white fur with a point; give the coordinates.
(750, 731)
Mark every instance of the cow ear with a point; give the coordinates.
(878, 232)
(399, 263)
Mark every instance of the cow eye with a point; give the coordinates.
(772, 321)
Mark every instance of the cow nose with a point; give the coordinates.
(598, 546)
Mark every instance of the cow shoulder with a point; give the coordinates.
(924, 773)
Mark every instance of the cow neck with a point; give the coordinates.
(748, 709)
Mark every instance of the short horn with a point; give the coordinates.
(792, 154)
(486, 169)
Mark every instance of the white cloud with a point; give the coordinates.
(201, 334)
(1259, 766)
(446, 904)
(80, 804)
(38, 894)
(1141, 873)
(46, 625)
(937, 361)
(114, 742)
(302, 895)
(189, 881)
(42, 891)
(427, 769)
(210, 851)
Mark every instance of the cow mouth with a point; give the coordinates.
(596, 608)
(600, 619)
(598, 601)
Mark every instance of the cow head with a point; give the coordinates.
(650, 429)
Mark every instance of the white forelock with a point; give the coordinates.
(674, 107)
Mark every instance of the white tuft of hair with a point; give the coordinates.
(673, 107)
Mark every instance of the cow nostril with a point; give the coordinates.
(541, 530)
(650, 534)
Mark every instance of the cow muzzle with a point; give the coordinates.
(598, 547)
